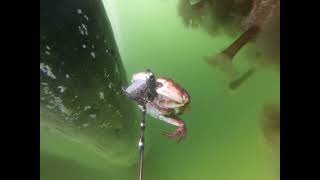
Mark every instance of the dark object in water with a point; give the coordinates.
(271, 124)
(81, 76)
(261, 13)
(236, 83)
(257, 15)
(213, 14)
(268, 40)
(245, 37)
(224, 59)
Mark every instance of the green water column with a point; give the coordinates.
(81, 74)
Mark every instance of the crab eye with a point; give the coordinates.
(185, 97)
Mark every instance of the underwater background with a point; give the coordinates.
(225, 140)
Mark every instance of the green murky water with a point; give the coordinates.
(224, 140)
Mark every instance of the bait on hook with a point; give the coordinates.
(161, 98)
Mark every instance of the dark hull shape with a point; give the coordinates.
(81, 76)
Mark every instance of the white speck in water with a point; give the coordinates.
(101, 95)
(116, 69)
(62, 88)
(67, 118)
(63, 109)
(103, 125)
(86, 108)
(117, 93)
(84, 26)
(50, 74)
(76, 96)
(58, 103)
(42, 66)
(81, 31)
(42, 98)
(86, 17)
(109, 105)
(47, 70)
(58, 99)
(47, 52)
(44, 83)
(47, 47)
(93, 116)
(67, 76)
(92, 46)
(105, 41)
(79, 11)
(110, 85)
(46, 90)
(49, 107)
(93, 55)
(107, 50)
(84, 46)
(85, 125)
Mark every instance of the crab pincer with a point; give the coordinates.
(179, 133)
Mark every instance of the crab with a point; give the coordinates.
(162, 98)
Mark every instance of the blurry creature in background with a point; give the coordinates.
(259, 19)
(213, 14)
(168, 99)
(271, 125)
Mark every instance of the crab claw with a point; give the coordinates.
(180, 133)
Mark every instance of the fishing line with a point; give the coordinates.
(141, 142)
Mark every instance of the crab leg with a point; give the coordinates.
(165, 115)
(180, 132)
